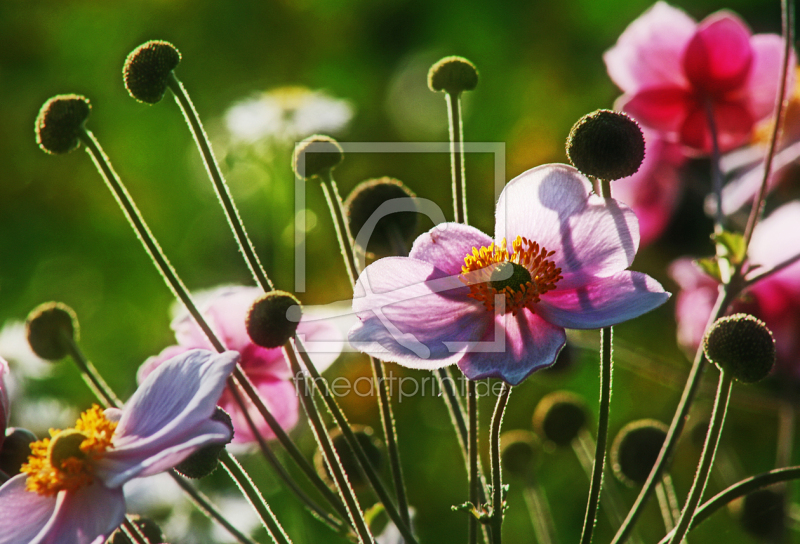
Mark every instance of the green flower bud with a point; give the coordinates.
(273, 319)
(16, 450)
(453, 75)
(762, 514)
(606, 144)
(365, 200)
(741, 345)
(205, 460)
(350, 464)
(147, 69)
(559, 417)
(60, 123)
(636, 449)
(519, 451)
(315, 156)
(147, 526)
(49, 328)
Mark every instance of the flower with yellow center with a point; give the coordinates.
(498, 310)
(70, 491)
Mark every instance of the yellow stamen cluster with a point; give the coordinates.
(532, 274)
(73, 472)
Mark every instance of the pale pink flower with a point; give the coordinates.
(673, 69)
(775, 299)
(225, 309)
(166, 420)
(498, 308)
(654, 190)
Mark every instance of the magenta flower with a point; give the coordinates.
(70, 491)
(673, 70)
(775, 299)
(225, 308)
(654, 191)
(498, 308)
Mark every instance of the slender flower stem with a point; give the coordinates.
(332, 522)
(90, 374)
(253, 495)
(234, 220)
(474, 495)
(602, 436)
(716, 171)
(326, 446)
(177, 287)
(539, 512)
(706, 458)
(133, 533)
(345, 237)
(498, 503)
(726, 294)
(787, 27)
(786, 424)
(664, 507)
(457, 157)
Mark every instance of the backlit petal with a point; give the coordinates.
(22, 514)
(84, 515)
(446, 245)
(718, 57)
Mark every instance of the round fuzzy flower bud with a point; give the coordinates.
(559, 417)
(636, 449)
(205, 460)
(350, 464)
(742, 346)
(49, 328)
(147, 69)
(147, 526)
(60, 123)
(453, 75)
(273, 319)
(315, 155)
(762, 513)
(365, 200)
(16, 450)
(519, 452)
(606, 144)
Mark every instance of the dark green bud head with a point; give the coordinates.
(762, 514)
(559, 417)
(49, 328)
(16, 450)
(205, 460)
(273, 319)
(147, 526)
(315, 156)
(453, 75)
(519, 451)
(147, 69)
(742, 346)
(636, 449)
(606, 144)
(365, 200)
(60, 123)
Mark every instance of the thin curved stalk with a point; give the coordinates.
(498, 503)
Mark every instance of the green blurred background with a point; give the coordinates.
(62, 236)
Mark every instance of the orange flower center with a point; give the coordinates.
(65, 461)
(522, 276)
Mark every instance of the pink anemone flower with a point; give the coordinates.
(673, 71)
(70, 491)
(226, 308)
(498, 308)
(774, 299)
(654, 191)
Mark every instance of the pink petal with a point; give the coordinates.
(225, 309)
(688, 276)
(733, 123)
(83, 516)
(409, 311)
(659, 108)
(764, 79)
(321, 339)
(649, 53)
(155, 361)
(529, 343)
(22, 514)
(446, 245)
(168, 416)
(718, 57)
(775, 240)
(692, 311)
(554, 206)
(280, 397)
(604, 302)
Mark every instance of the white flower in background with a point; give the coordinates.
(286, 113)
(15, 349)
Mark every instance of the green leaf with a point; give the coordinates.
(373, 512)
(709, 265)
(730, 245)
